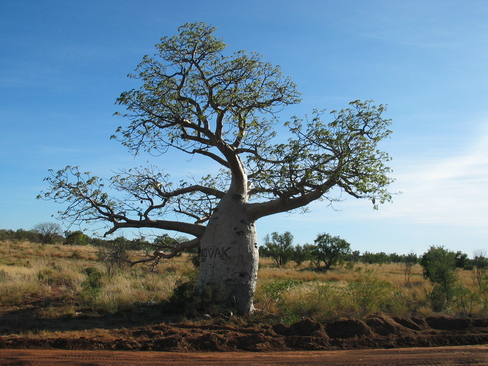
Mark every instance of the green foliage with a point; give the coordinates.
(279, 247)
(372, 258)
(20, 235)
(198, 99)
(139, 243)
(409, 261)
(325, 300)
(76, 238)
(462, 261)
(480, 263)
(302, 253)
(191, 82)
(166, 242)
(369, 294)
(92, 285)
(188, 300)
(465, 300)
(439, 266)
(329, 249)
(366, 295)
(273, 294)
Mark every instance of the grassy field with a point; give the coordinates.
(63, 280)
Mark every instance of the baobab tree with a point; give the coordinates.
(199, 100)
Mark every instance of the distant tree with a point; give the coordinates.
(409, 261)
(329, 249)
(374, 258)
(301, 253)
(462, 260)
(395, 258)
(76, 238)
(138, 243)
(353, 257)
(49, 232)
(279, 247)
(480, 263)
(439, 266)
(6, 234)
(26, 235)
(168, 243)
(113, 255)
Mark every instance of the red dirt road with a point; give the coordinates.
(465, 355)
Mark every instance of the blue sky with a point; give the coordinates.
(63, 63)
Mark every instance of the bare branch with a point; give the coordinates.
(184, 227)
(175, 251)
(287, 202)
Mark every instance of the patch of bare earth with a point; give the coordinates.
(459, 355)
(142, 332)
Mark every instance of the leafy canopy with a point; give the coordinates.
(196, 98)
(279, 247)
(329, 249)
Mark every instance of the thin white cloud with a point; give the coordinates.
(434, 191)
(445, 191)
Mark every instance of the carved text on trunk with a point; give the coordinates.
(216, 252)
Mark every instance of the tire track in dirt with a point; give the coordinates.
(467, 355)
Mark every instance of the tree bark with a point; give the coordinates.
(229, 253)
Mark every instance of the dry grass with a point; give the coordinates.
(54, 276)
(364, 289)
(124, 292)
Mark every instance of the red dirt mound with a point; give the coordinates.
(375, 331)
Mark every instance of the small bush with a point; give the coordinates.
(279, 247)
(439, 267)
(273, 294)
(368, 295)
(188, 300)
(92, 285)
(320, 300)
(114, 257)
(465, 301)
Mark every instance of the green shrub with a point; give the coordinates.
(273, 295)
(92, 285)
(329, 249)
(76, 238)
(188, 300)
(279, 247)
(465, 301)
(368, 295)
(301, 254)
(322, 301)
(439, 266)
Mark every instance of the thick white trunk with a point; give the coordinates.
(229, 254)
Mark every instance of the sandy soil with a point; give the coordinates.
(467, 355)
